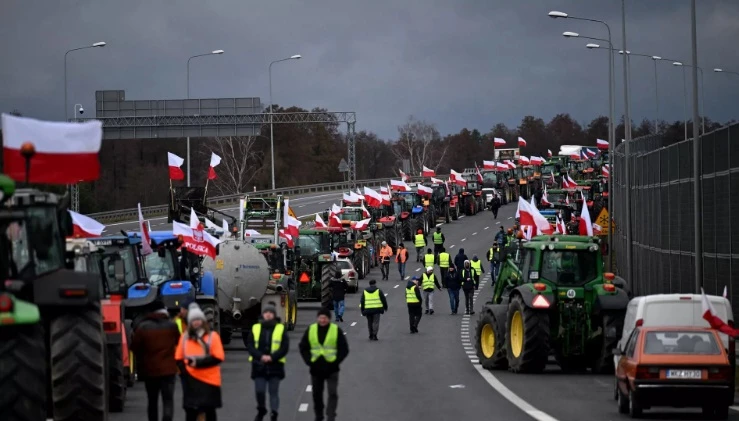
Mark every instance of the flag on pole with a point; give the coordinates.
(214, 161)
(85, 227)
(175, 164)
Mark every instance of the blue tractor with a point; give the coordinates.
(409, 207)
(174, 276)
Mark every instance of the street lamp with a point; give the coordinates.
(685, 97)
(271, 128)
(725, 71)
(656, 91)
(214, 52)
(95, 45)
(555, 14)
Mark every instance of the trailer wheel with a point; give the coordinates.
(23, 373)
(327, 297)
(116, 379)
(527, 338)
(78, 368)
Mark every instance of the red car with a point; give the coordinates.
(679, 367)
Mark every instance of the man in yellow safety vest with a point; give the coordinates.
(428, 283)
(419, 241)
(323, 347)
(413, 300)
(429, 259)
(445, 260)
(438, 239)
(373, 304)
(476, 265)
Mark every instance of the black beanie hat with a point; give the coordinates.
(324, 312)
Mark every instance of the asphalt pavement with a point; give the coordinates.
(433, 375)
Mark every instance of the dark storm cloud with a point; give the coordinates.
(456, 63)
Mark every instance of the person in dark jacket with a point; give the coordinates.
(495, 206)
(373, 304)
(413, 300)
(452, 287)
(329, 337)
(467, 278)
(500, 237)
(338, 290)
(267, 344)
(459, 260)
(154, 342)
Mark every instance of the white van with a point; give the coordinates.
(673, 310)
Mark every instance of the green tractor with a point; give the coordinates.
(314, 267)
(52, 342)
(552, 298)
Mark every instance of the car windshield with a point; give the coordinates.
(352, 214)
(490, 177)
(160, 269)
(569, 267)
(681, 342)
(310, 244)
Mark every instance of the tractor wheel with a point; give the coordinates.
(23, 373)
(405, 229)
(455, 212)
(292, 319)
(327, 297)
(391, 237)
(212, 315)
(527, 338)
(470, 207)
(131, 373)
(612, 325)
(116, 379)
(490, 341)
(78, 366)
(446, 213)
(367, 261)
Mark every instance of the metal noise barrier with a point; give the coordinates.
(159, 210)
(662, 214)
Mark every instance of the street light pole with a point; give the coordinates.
(627, 151)
(214, 52)
(697, 195)
(271, 126)
(685, 99)
(656, 94)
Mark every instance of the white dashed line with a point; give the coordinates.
(418, 270)
(309, 388)
(487, 227)
(438, 225)
(301, 206)
(474, 233)
(463, 239)
(386, 294)
(470, 352)
(474, 361)
(353, 324)
(320, 203)
(497, 222)
(303, 407)
(452, 246)
(510, 217)
(395, 287)
(407, 278)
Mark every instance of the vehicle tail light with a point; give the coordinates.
(540, 302)
(719, 373)
(647, 373)
(72, 292)
(640, 322)
(109, 326)
(352, 274)
(140, 287)
(540, 286)
(304, 278)
(609, 287)
(176, 285)
(6, 304)
(686, 298)
(276, 276)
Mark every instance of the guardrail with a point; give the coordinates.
(159, 210)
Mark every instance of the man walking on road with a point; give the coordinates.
(428, 284)
(467, 277)
(420, 243)
(445, 260)
(154, 343)
(477, 268)
(267, 345)
(438, 241)
(452, 287)
(401, 258)
(494, 257)
(323, 348)
(338, 292)
(386, 252)
(500, 237)
(429, 259)
(413, 300)
(459, 260)
(373, 304)
(494, 206)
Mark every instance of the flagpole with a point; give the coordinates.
(171, 193)
(205, 194)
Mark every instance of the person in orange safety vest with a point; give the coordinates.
(199, 355)
(401, 258)
(386, 253)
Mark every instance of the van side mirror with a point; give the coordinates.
(617, 352)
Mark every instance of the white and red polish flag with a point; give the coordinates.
(319, 222)
(214, 161)
(85, 227)
(425, 191)
(361, 225)
(196, 240)
(521, 142)
(399, 185)
(549, 153)
(64, 153)
(403, 176)
(372, 198)
(427, 172)
(175, 167)
(498, 142)
(601, 144)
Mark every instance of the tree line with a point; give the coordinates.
(135, 170)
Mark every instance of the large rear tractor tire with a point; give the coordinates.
(612, 326)
(447, 213)
(116, 379)
(391, 237)
(406, 229)
(23, 373)
(527, 338)
(418, 224)
(490, 340)
(327, 297)
(455, 212)
(78, 366)
(213, 316)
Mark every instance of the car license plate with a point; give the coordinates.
(684, 374)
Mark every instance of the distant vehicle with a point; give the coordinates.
(348, 273)
(674, 367)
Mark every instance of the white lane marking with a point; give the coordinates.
(386, 294)
(463, 239)
(407, 278)
(418, 270)
(487, 227)
(353, 324)
(395, 287)
(474, 233)
(301, 206)
(309, 388)
(474, 361)
(510, 217)
(461, 216)
(320, 203)
(452, 246)
(468, 348)
(470, 352)
(457, 386)
(497, 222)
(303, 407)
(440, 224)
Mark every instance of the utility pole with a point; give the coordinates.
(697, 196)
(627, 153)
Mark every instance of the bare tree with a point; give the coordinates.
(421, 144)
(240, 163)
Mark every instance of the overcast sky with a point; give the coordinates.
(456, 63)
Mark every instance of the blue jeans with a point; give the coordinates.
(261, 385)
(453, 299)
(339, 308)
(401, 270)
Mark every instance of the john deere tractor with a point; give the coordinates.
(552, 298)
(314, 266)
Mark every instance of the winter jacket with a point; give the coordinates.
(382, 310)
(417, 290)
(467, 279)
(321, 368)
(453, 281)
(154, 342)
(264, 347)
(459, 259)
(495, 203)
(338, 288)
(500, 237)
(196, 392)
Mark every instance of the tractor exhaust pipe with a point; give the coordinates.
(279, 288)
(235, 312)
(236, 315)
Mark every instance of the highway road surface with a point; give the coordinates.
(431, 376)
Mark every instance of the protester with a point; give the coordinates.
(413, 300)
(267, 344)
(373, 303)
(339, 286)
